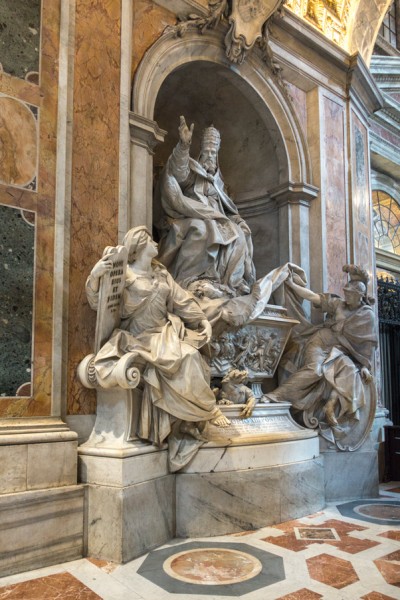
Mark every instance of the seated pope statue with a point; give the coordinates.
(203, 235)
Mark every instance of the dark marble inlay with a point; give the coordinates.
(17, 239)
(272, 569)
(20, 36)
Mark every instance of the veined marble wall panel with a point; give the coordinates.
(385, 134)
(299, 99)
(41, 201)
(95, 172)
(149, 21)
(18, 143)
(361, 195)
(334, 173)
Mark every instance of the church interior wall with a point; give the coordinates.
(308, 136)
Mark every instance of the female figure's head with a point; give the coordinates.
(140, 244)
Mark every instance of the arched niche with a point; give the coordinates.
(263, 155)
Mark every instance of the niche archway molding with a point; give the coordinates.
(294, 190)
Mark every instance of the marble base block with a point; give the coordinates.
(40, 528)
(220, 503)
(125, 522)
(351, 475)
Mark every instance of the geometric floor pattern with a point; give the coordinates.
(337, 554)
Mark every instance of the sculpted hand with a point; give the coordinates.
(366, 375)
(248, 409)
(206, 328)
(101, 267)
(185, 134)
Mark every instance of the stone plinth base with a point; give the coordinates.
(351, 475)
(131, 500)
(239, 494)
(124, 523)
(41, 528)
(41, 505)
(135, 505)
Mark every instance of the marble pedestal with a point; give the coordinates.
(131, 501)
(240, 488)
(352, 475)
(41, 505)
(259, 471)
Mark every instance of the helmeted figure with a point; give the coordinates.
(203, 235)
(328, 379)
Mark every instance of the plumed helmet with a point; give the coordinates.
(356, 286)
(358, 282)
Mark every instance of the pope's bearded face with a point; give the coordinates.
(208, 159)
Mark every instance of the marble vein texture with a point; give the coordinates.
(150, 20)
(363, 564)
(335, 185)
(41, 201)
(95, 183)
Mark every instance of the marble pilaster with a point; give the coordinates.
(145, 134)
(293, 200)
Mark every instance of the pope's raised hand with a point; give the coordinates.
(185, 134)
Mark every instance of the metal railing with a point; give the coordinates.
(389, 340)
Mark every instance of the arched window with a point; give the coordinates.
(386, 222)
(388, 28)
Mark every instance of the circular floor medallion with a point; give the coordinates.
(212, 566)
(381, 511)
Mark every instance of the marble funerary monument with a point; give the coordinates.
(200, 257)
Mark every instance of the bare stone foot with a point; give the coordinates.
(221, 421)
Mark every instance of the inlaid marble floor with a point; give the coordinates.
(346, 552)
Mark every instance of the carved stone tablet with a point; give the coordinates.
(111, 288)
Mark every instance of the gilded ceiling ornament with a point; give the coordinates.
(330, 16)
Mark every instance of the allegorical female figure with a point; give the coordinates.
(163, 325)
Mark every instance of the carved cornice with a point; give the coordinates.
(294, 193)
(145, 132)
(35, 430)
(386, 72)
(362, 87)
